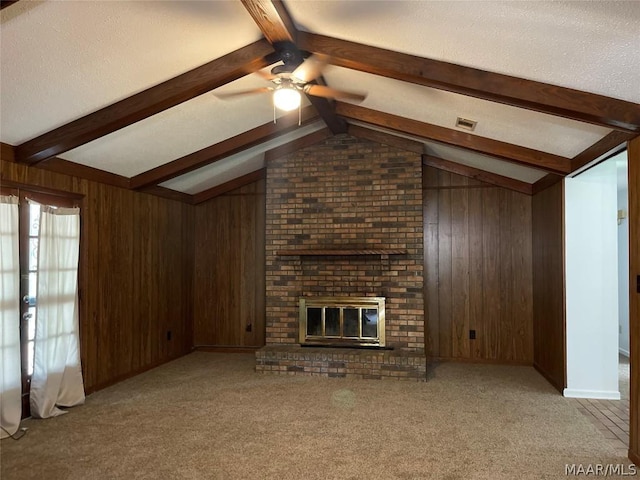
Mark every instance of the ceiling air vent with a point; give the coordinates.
(466, 124)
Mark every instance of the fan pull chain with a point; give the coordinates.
(274, 112)
(300, 114)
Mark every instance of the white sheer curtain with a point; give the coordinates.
(11, 380)
(57, 374)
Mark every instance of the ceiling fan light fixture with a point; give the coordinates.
(286, 98)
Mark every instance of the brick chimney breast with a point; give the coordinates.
(346, 194)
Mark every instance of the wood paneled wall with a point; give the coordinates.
(478, 273)
(136, 275)
(634, 303)
(549, 338)
(230, 269)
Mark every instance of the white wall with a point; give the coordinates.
(623, 254)
(591, 263)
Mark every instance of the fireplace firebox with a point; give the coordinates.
(342, 321)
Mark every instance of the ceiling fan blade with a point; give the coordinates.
(266, 75)
(311, 68)
(225, 95)
(328, 92)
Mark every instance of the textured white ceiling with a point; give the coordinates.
(60, 60)
(469, 158)
(236, 165)
(484, 162)
(587, 45)
(178, 131)
(501, 122)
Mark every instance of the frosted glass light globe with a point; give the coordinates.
(286, 99)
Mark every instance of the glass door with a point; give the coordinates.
(29, 225)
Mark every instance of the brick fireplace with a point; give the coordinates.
(344, 219)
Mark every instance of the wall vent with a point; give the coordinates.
(466, 124)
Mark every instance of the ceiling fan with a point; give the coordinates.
(293, 78)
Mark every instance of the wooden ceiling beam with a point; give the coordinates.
(169, 194)
(222, 150)
(148, 102)
(545, 182)
(5, 3)
(477, 174)
(272, 18)
(65, 167)
(278, 28)
(326, 110)
(605, 144)
(495, 148)
(517, 92)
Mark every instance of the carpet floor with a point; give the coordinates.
(209, 416)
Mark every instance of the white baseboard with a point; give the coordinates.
(625, 353)
(595, 394)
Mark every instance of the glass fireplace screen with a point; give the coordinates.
(342, 321)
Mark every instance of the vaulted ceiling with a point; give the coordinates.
(130, 92)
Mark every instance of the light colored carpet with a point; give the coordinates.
(209, 416)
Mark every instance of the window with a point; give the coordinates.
(29, 223)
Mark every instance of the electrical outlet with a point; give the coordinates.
(472, 334)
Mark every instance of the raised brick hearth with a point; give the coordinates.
(356, 196)
(341, 362)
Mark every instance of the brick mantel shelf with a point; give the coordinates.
(340, 252)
